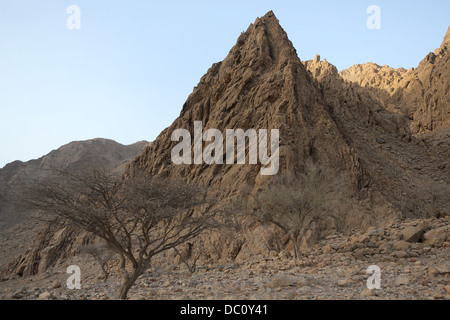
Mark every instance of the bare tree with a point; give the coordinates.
(138, 217)
(294, 207)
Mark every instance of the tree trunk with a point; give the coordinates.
(126, 286)
(294, 239)
(129, 280)
(126, 280)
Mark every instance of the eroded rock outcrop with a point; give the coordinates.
(53, 244)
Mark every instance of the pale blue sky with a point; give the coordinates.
(126, 74)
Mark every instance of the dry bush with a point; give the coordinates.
(293, 207)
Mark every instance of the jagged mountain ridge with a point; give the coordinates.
(421, 94)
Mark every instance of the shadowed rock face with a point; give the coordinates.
(397, 121)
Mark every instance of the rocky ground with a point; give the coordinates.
(414, 258)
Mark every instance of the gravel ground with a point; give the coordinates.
(335, 268)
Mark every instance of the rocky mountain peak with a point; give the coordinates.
(263, 45)
(316, 58)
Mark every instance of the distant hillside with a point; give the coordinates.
(73, 156)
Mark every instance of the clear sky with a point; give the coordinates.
(127, 72)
